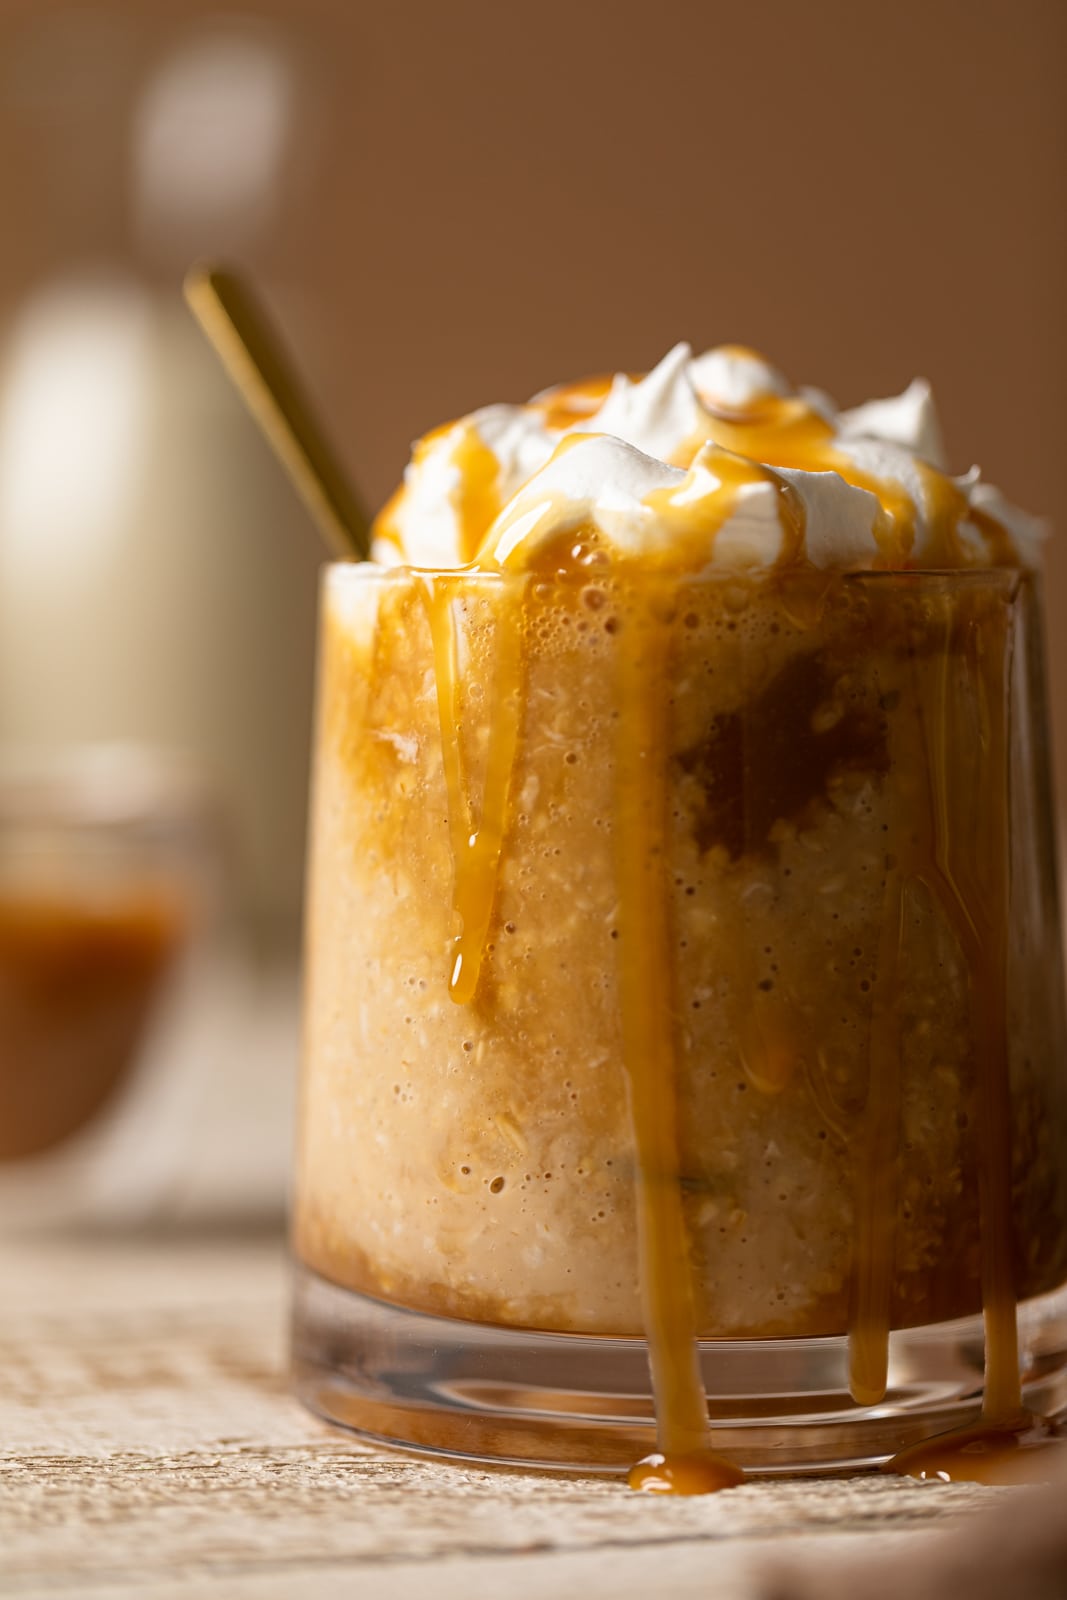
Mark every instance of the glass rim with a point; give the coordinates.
(338, 573)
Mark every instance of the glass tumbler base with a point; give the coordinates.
(582, 1403)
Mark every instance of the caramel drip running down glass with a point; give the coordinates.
(684, 1069)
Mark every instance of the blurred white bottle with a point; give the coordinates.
(157, 576)
(158, 589)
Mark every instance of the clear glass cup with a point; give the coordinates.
(682, 964)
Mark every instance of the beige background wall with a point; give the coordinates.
(467, 202)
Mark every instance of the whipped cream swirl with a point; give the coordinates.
(707, 462)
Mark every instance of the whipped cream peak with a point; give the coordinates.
(908, 420)
(592, 480)
(731, 378)
(520, 444)
(658, 414)
(705, 462)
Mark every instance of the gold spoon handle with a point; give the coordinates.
(251, 352)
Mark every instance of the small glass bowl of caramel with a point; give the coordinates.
(108, 874)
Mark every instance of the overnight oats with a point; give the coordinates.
(683, 970)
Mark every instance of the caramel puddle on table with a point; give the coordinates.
(1029, 1450)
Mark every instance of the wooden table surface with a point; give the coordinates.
(149, 1450)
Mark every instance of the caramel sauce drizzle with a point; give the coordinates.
(972, 886)
(477, 499)
(684, 1462)
(568, 403)
(694, 523)
(775, 432)
(876, 1196)
(788, 432)
(876, 1179)
(981, 917)
(477, 836)
(965, 869)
